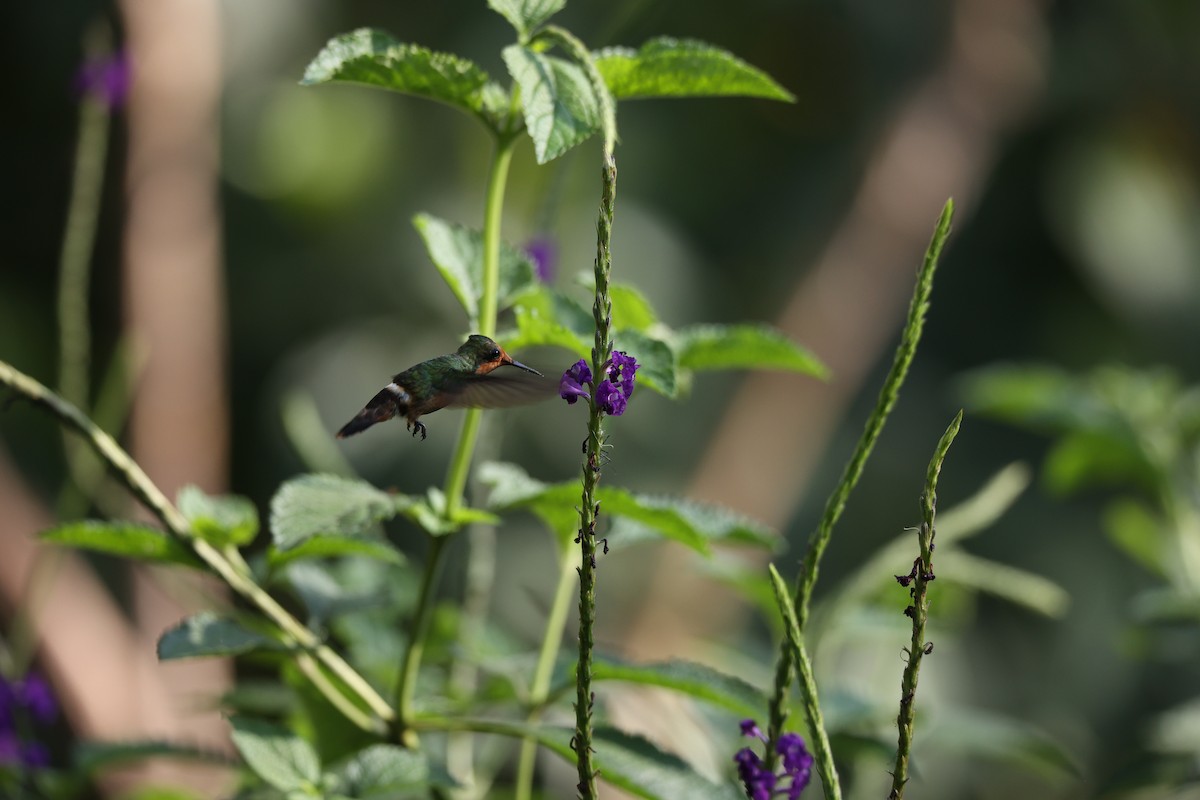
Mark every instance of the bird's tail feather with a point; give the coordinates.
(381, 407)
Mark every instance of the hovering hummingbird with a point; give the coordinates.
(465, 378)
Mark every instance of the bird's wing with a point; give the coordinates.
(510, 388)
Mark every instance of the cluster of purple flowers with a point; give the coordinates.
(23, 703)
(763, 784)
(614, 391)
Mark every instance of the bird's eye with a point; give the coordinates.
(494, 355)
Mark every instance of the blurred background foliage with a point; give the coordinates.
(1077, 245)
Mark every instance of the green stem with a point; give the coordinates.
(919, 611)
(810, 567)
(235, 575)
(543, 672)
(411, 665)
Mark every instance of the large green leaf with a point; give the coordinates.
(561, 109)
(666, 67)
(206, 634)
(693, 524)
(526, 16)
(548, 317)
(630, 308)
(743, 347)
(328, 505)
(689, 678)
(278, 756)
(123, 539)
(386, 771)
(457, 251)
(219, 520)
(374, 58)
(656, 361)
(336, 547)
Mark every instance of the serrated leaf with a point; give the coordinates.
(666, 67)
(457, 251)
(526, 16)
(373, 58)
(126, 539)
(561, 110)
(687, 522)
(219, 520)
(206, 634)
(329, 506)
(275, 754)
(384, 770)
(656, 361)
(688, 677)
(90, 756)
(630, 308)
(336, 547)
(743, 347)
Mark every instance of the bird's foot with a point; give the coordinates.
(417, 427)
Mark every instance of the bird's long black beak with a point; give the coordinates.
(519, 365)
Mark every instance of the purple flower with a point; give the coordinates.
(762, 784)
(22, 702)
(622, 369)
(570, 388)
(543, 252)
(797, 762)
(610, 399)
(758, 780)
(105, 79)
(750, 728)
(34, 695)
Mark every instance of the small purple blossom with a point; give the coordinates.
(543, 252)
(570, 388)
(763, 784)
(105, 79)
(610, 399)
(622, 370)
(22, 702)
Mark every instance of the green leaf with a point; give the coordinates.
(666, 67)
(684, 521)
(743, 347)
(206, 634)
(1010, 583)
(689, 678)
(336, 547)
(1140, 533)
(91, 757)
(327, 505)
(384, 770)
(373, 58)
(457, 251)
(1089, 458)
(526, 16)
(219, 520)
(561, 110)
(630, 308)
(656, 361)
(278, 756)
(123, 539)
(548, 317)
(1001, 738)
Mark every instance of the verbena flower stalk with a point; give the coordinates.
(921, 575)
(797, 657)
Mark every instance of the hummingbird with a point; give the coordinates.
(465, 378)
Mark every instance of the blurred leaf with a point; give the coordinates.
(1139, 532)
(206, 634)
(1177, 730)
(90, 757)
(666, 67)
(374, 58)
(259, 697)
(1034, 395)
(630, 308)
(656, 361)
(985, 734)
(1084, 458)
(743, 347)
(278, 756)
(1015, 585)
(457, 251)
(685, 521)
(330, 506)
(561, 110)
(689, 678)
(219, 520)
(328, 593)
(123, 539)
(336, 547)
(547, 317)
(1165, 605)
(526, 15)
(385, 771)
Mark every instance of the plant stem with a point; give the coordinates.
(810, 567)
(543, 672)
(919, 611)
(152, 497)
(460, 463)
